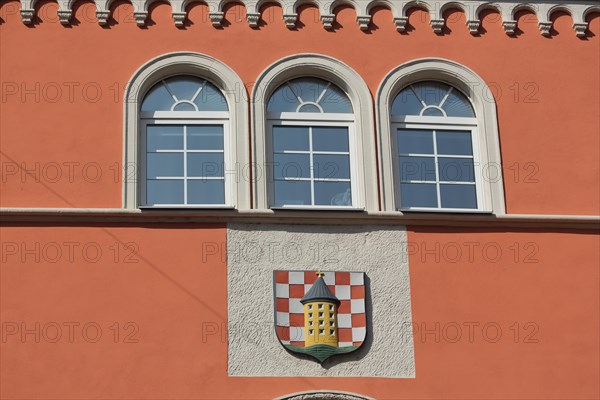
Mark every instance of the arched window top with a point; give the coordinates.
(432, 99)
(310, 95)
(184, 93)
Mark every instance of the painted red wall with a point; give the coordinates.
(546, 92)
(175, 297)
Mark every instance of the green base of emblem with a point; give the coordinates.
(321, 351)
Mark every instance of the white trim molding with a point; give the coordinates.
(348, 80)
(477, 91)
(578, 9)
(203, 66)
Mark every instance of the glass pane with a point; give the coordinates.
(457, 143)
(164, 137)
(292, 193)
(308, 89)
(184, 106)
(309, 108)
(330, 139)
(406, 103)
(418, 195)
(331, 166)
(164, 191)
(336, 101)
(333, 194)
(457, 105)
(205, 164)
(205, 137)
(432, 93)
(184, 87)
(432, 112)
(164, 165)
(417, 169)
(202, 191)
(158, 99)
(456, 169)
(415, 141)
(291, 166)
(211, 99)
(458, 196)
(283, 100)
(290, 138)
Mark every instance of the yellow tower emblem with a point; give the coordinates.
(320, 315)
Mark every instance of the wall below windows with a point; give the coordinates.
(494, 314)
(62, 125)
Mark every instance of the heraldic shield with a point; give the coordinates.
(320, 314)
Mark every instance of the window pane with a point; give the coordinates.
(418, 195)
(457, 105)
(433, 112)
(205, 137)
(454, 143)
(158, 99)
(309, 108)
(458, 196)
(184, 106)
(308, 89)
(291, 166)
(164, 137)
(330, 139)
(206, 191)
(184, 87)
(283, 100)
(333, 194)
(205, 164)
(417, 169)
(456, 169)
(164, 191)
(432, 93)
(406, 103)
(336, 101)
(292, 193)
(164, 165)
(332, 166)
(211, 99)
(290, 138)
(415, 141)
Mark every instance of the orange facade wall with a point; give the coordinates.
(493, 322)
(62, 111)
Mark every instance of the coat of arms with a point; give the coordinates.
(320, 314)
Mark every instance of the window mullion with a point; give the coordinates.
(437, 172)
(185, 155)
(312, 165)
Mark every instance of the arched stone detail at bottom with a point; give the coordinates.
(323, 395)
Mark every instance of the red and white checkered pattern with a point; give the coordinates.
(348, 287)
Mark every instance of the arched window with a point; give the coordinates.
(181, 112)
(438, 134)
(313, 136)
(435, 142)
(184, 120)
(310, 125)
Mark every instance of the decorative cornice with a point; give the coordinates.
(578, 9)
(83, 216)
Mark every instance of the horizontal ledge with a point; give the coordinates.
(176, 216)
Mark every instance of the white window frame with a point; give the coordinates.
(485, 139)
(363, 161)
(186, 118)
(433, 123)
(311, 120)
(236, 142)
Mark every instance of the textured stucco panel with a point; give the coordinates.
(255, 250)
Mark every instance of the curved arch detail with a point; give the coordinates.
(476, 90)
(184, 63)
